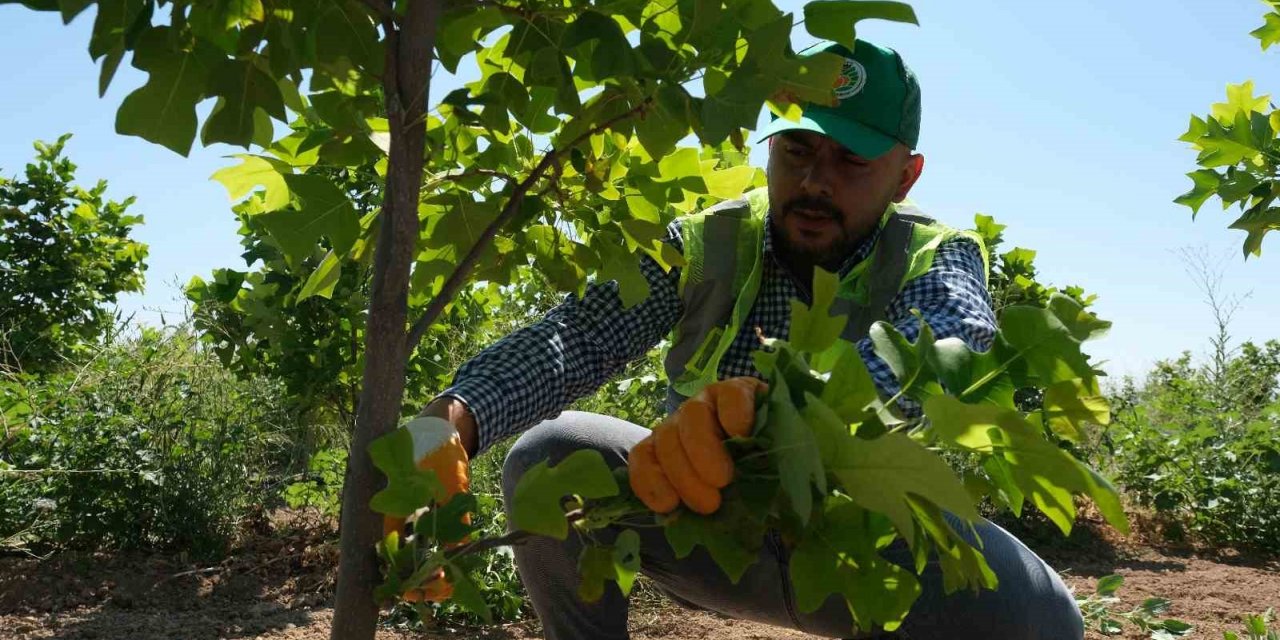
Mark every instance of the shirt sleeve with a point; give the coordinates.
(535, 372)
(952, 297)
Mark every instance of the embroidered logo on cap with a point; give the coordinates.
(852, 78)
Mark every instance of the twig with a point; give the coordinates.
(510, 539)
(463, 270)
(454, 177)
(187, 573)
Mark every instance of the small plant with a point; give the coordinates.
(1255, 628)
(322, 487)
(1098, 612)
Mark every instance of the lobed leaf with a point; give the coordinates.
(536, 502)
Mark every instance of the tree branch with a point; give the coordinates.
(468, 262)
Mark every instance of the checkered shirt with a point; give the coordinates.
(533, 373)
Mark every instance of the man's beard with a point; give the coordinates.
(831, 254)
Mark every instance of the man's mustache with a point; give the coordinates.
(814, 205)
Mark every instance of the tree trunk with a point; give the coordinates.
(406, 81)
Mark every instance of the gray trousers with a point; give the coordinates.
(1031, 603)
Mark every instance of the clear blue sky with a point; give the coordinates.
(1060, 119)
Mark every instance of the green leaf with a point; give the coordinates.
(322, 281)
(114, 21)
(737, 104)
(536, 503)
(343, 31)
(1257, 222)
(110, 64)
(967, 425)
(611, 54)
(1155, 606)
(323, 211)
(683, 163)
(163, 110)
(462, 31)
(445, 523)
(850, 389)
(71, 8)
(836, 20)
(618, 563)
(595, 568)
(813, 328)
(1204, 185)
(972, 375)
(1108, 585)
(626, 559)
(882, 474)
(1226, 145)
(242, 89)
(666, 122)
(839, 557)
(729, 183)
(1069, 404)
(1049, 345)
(794, 450)
(408, 487)
(1037, 467)
(256, 171)
(1197, 129)
(1269, 33)
(733, 535)
(830, 432)
(907, 360)
(1236, 187)
(1240, 101)
(1083, 324)
(1009, 493)
(1107, 499)
(466, 593)
(621, 266)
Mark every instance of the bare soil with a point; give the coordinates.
(278, 584)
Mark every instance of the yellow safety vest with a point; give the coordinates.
(723, 251)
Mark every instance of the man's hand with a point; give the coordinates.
(438, 447)
(685, 459)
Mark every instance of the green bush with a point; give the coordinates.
(1202, 448)
(65, 254)
(150, 444)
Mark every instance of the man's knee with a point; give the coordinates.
(541, 442)
(553, 440)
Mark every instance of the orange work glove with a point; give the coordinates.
(436, 446)
(685, 459)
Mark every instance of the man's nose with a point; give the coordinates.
(818, 179)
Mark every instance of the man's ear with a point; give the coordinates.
(911, 171)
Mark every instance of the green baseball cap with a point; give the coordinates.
(875, 103)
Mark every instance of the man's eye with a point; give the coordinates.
(798, 150)
(855, 160)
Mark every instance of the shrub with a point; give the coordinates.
(150, 444)
(1204, 450)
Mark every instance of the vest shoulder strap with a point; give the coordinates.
(888, 267)
(714, 282)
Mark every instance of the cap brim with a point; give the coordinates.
(855, 136)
